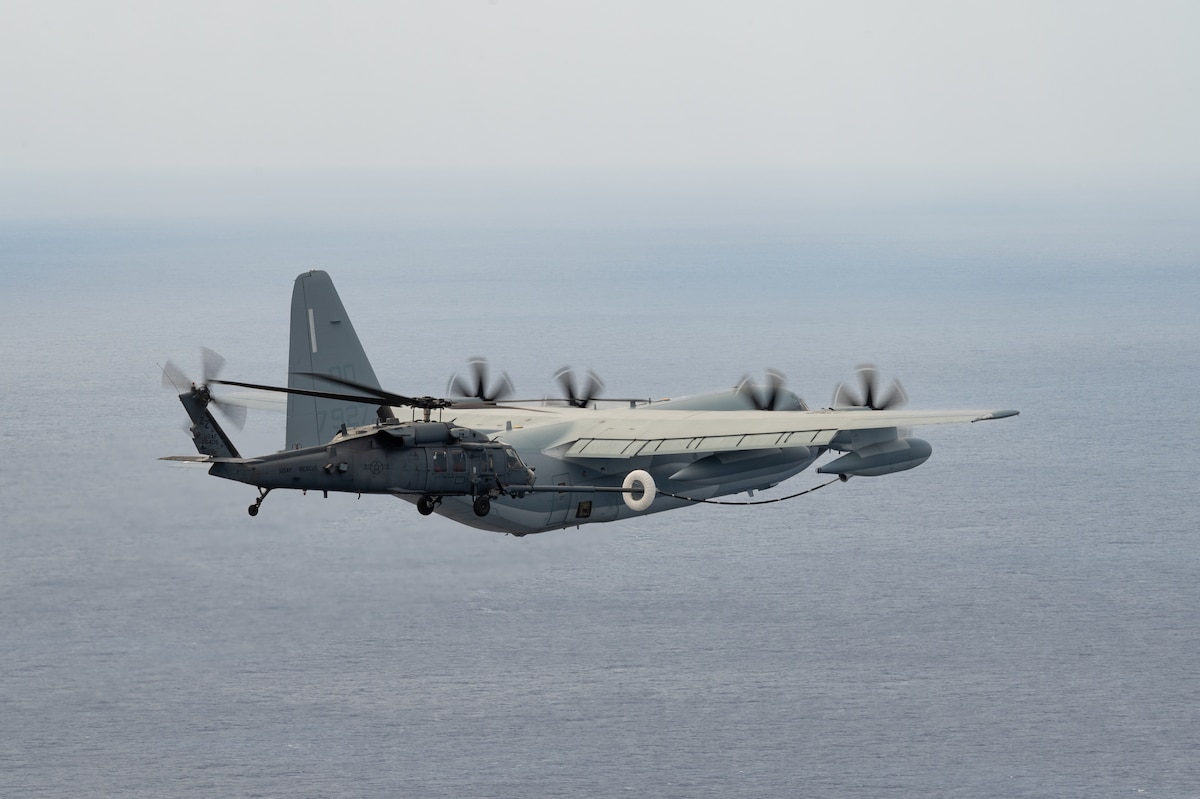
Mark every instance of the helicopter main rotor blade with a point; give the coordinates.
(376, 395)
(381, 395)
(304, 392)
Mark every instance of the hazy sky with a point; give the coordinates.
(529, 84)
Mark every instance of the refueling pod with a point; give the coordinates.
(886, 457)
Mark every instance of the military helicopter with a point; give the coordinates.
(426, 459)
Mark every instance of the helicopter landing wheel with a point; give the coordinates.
(426, 504)
(262, 494)
(481, 506)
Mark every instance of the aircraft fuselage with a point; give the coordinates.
(678, 465)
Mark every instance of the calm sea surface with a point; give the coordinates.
(1018, 617)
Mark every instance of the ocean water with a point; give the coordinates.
(1017, 617)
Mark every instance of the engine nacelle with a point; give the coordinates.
(887, 457)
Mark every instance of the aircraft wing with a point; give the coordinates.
(854, 419)
(672, 432)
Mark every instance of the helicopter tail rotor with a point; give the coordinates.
(211, 364)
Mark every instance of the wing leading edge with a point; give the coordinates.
(713, 432)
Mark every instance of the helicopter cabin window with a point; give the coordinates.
(458, 460)
(439, 460)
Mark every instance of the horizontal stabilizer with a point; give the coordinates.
(207, 459)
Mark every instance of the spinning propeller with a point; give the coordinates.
(764, 398)
(502, 389)
(868, 378)
(579, 394)
(211, 364)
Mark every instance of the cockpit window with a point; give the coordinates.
(511, 459)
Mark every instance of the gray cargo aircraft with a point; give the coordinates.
(529, 467)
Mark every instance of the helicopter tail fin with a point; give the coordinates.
(323, 342)
(208, 436)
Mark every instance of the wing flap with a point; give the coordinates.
(725, 432)
(621, 448)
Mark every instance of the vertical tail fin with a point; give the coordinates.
(323, 342)
(208, 436)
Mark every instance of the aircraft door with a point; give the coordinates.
(448, 471)
(458, 470)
